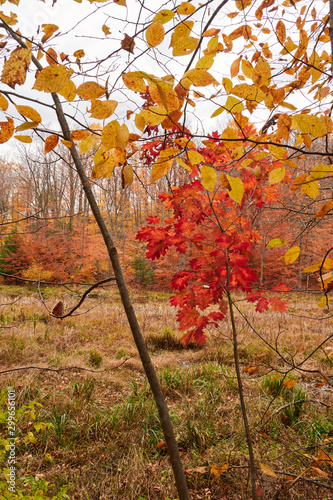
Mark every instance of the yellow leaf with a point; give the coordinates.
(194, 157)
(102, 109)
(90, 90)
(200, 77)
(15, 68)
(237, 188)
(185, 142)
(118, 2)
(205, 62)
(320, 171)
(292, 254)
(247, 68)
(227, 83)
(50, 143)
(164, 16)
(208, 177)
(68, 144)
(310, 187)
(217, 470)
(49, 30)
(249, 92)
(243, 4)
(324, 210)
(109, 134)
(133, 82)
(68, 91)
(140, 122)
(160, 168)
(26, 126)
(86, 144)
(29, 112)
(185, 9)
(6, 130)
(233, 105)
(10, 20)
(309, 124)
(122, 136)
(266, 469)
(53, 78)
(261, 73)
(155, 34)
(3, 103)
(23, 138)
(184, 45)
(153, 115)
(79, 53)
(104, 164)
(183, 164)
(106, 30)
(298, 182)
(276, 242)
(119, 156)
(277, 175)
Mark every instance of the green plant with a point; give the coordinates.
(143, 271)
(95, 359)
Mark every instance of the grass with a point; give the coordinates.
(105, 440)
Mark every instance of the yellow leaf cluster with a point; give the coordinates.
(53, 78)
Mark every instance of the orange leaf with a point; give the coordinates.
(211, 32)
(50, 143)
(234, 68)
(7, 130)
(324, 210)
(51, 56)
(48, 30)
(155, 34)
(90, 90)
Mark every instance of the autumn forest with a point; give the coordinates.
(166, 250)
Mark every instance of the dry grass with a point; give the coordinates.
(106, 442)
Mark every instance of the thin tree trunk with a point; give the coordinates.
(153, 380)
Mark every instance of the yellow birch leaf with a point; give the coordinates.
(183, 164)
(309, 124)
(109, 134)
(248, 92)
(324, 210)
(298, 182)
(261, 73)
(185, 142)
(6, 130)
(155, 33)
(200, 77)
(227, 83)
(160, 168)
(292, 254)
(48, 30)
(127, 175)
(310, 187)
(237, 153)
(90, 90)
(23, 138)
(79, 135)
(86, 144)
(102, 109)
(68, 91)
(50, 143)
(3, 103)
(320, 171)
(247, 68)
(164, 16)
(185, 9)
(140, 122)
(135, 83)
(266, 469)
(208, 177)
(79, 53)
(122, 136)
(276, 242)
(15, 68)
(153, 115)
(53, 78)
(26, 126)
(277, 175)
(194, 157)
(237, 188)
(205, 62)
(184, 45)
(233, 105)
(68, 144)
(29, 112)
(104, 164)
(106, 30)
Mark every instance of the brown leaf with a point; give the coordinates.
(58, 310)
(128, 44)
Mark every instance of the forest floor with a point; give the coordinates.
(105, 441)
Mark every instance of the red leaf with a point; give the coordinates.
(262, 305)
(278, 304)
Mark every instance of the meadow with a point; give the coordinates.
(87, 426)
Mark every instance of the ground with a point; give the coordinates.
(105, 440)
